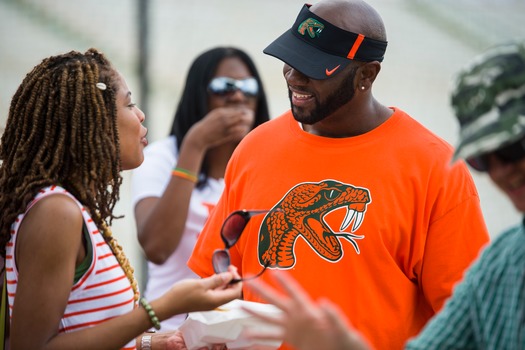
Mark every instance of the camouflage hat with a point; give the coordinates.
(489, 101)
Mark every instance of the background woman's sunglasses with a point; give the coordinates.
(231, 231)
(223, 86)
(508, 154)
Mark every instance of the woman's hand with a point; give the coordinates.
(194, 295)
(221, 125)
(198, 294)
(174, 341)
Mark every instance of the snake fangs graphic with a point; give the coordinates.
(301, 213)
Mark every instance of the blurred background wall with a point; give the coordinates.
(153, 42)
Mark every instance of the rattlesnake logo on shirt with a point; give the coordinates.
(302, 212)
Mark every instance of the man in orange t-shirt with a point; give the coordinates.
(365, 208)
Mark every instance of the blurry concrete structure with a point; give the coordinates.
(428, 42)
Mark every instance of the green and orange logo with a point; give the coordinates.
(311, 26)
(322, 213)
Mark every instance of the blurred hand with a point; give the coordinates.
(304, 324)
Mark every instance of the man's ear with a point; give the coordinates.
(368, 73)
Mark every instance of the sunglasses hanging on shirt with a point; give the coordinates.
(223, 86)
(231, 231)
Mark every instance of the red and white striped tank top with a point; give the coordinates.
(102, 293)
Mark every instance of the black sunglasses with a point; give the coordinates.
(231, 231)
(508, 154)
(223, 86)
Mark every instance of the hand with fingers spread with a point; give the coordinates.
(305, 324)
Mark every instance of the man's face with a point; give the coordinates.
(314, 100)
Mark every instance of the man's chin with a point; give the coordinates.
(302, 118)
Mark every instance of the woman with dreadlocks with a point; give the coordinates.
(71, 129)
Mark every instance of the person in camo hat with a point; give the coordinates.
(488, 102)
(487, 309)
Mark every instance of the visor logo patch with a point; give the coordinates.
(311, 26)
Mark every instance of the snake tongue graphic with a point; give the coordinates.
(305, 211)
(355, 216)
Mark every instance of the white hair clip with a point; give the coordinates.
(101, 86)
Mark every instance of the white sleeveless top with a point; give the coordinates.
(102, 293)
(150, 179)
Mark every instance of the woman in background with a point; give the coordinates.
(181, 178)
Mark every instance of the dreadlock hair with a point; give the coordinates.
(193, 105)
(62, 130)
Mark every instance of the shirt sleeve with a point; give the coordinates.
(456, 235)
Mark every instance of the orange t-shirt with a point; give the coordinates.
(382, 223)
